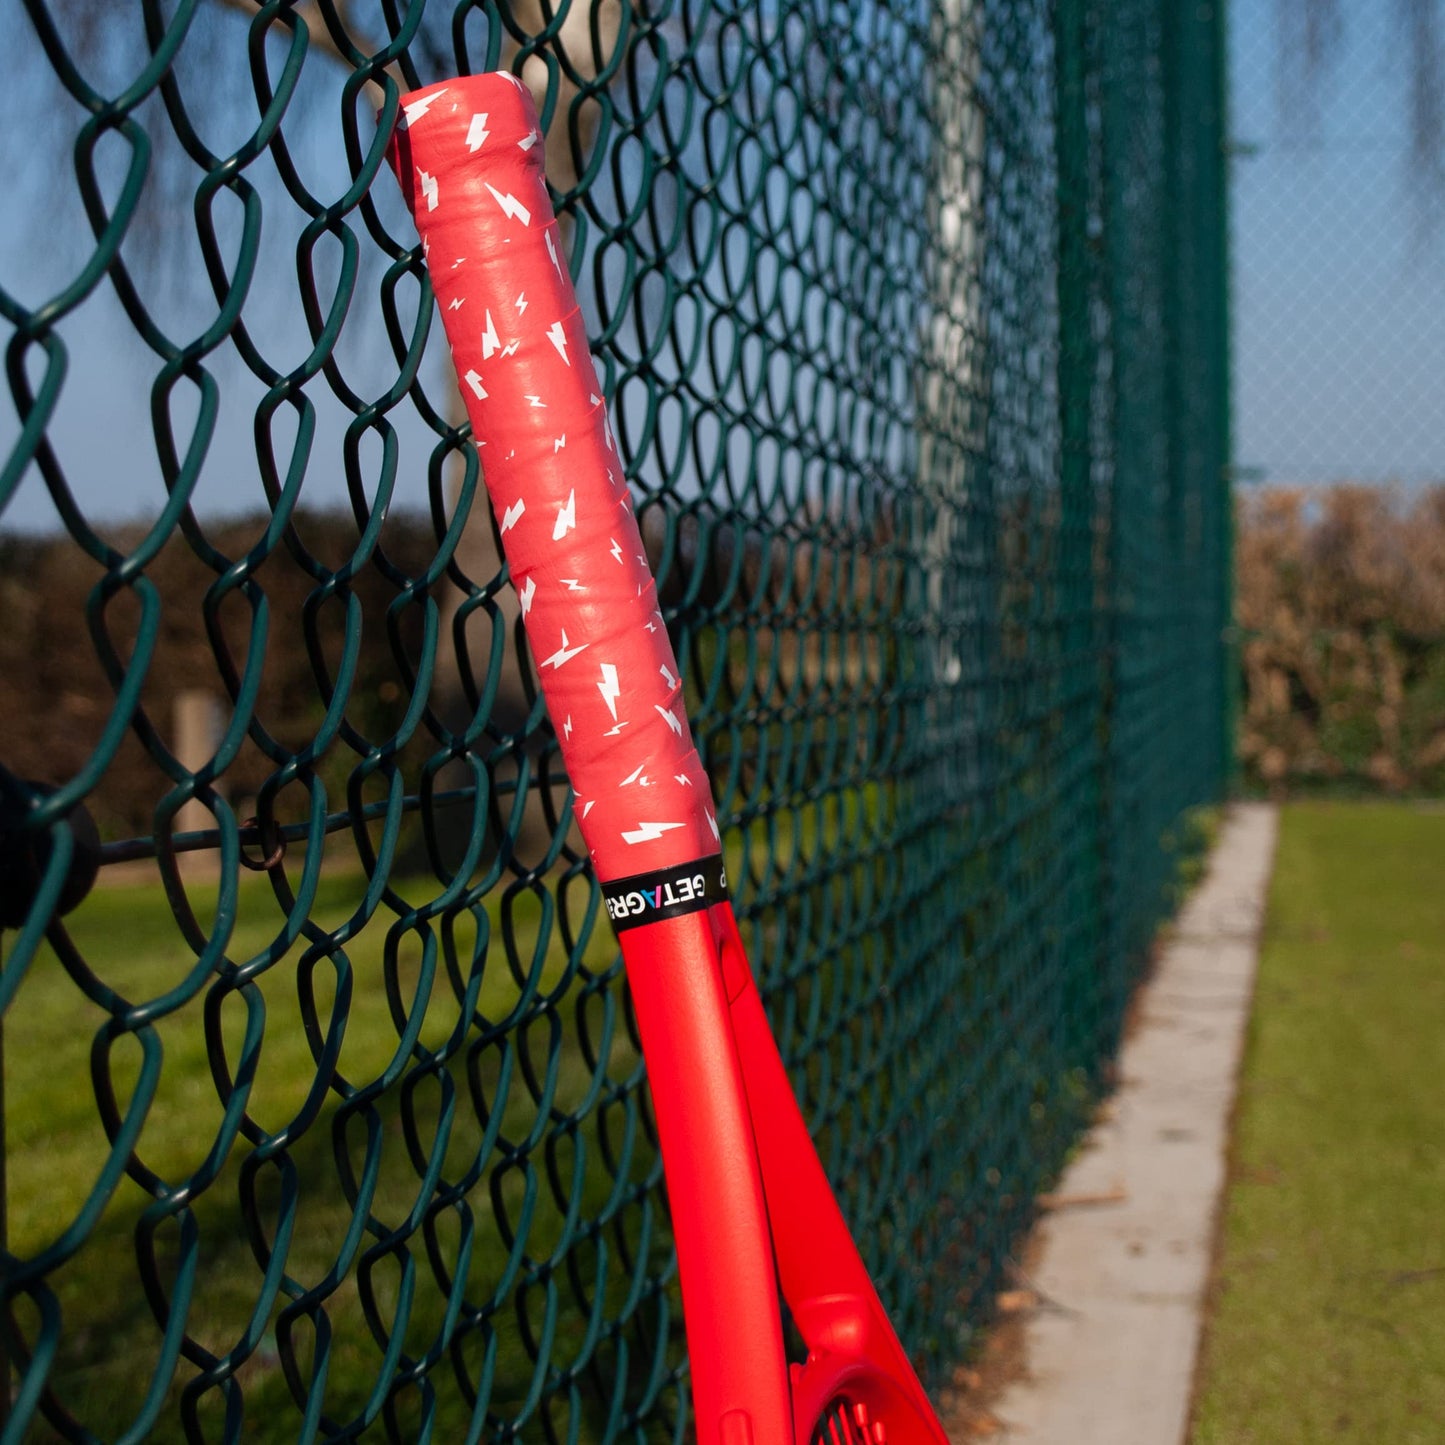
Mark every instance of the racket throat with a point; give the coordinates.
(848, 1422)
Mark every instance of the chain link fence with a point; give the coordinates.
(325, 1114)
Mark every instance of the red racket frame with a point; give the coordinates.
(752, 1210)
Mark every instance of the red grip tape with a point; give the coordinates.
(468, 154)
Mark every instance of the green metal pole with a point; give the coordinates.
(1080, 646)
(1170, 634)
(1223, 347)
(1121, 259)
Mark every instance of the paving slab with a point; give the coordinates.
(1121, 1275)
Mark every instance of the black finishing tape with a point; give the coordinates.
(666, 893)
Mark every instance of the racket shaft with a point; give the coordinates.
(740, 1384)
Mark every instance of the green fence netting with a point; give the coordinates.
(325, 1114)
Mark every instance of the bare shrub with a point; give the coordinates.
(1341, 606)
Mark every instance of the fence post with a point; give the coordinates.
(1116, 601)
(1176, 399)
(1074, 553)
(1220, 350)
(198, 727)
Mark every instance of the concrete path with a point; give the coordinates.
(1110, 1350)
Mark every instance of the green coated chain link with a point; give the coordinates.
(326, 1117)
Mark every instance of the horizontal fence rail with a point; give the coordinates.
(324, 1113)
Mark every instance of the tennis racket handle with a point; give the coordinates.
(468, 154)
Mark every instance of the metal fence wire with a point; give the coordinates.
(326, 1118)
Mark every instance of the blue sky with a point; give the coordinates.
(1339, 300)
(1339, 306)
(102, 430)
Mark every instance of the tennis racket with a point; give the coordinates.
(752, 1211)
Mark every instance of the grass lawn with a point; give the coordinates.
(512, 1240)
(1328, 1321)
(520, 1096)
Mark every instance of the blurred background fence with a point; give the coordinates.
(325, 1116)
(1338, 317)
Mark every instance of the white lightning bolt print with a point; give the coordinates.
(593, 399)
(526, 593)
(610, 688)
(565, 653)
(651, 626)
(477, 132)
(428, 188)
(521, 303)
(489, 339)
(510, 347)
(460, 261)
(567, 727)
(566, 517)
(558, 443)
(512, 208)
(648, 832)
(552, 251)
(588, 809)
(558, 338)
(669, 717)
(683, 779)
(513, 515)
(572, 584)
(612, 732)
(712, 823)
(667, 676)
(527, 141)
(457, 304)
(535, 401)
(419, 108)
(473, 379)
(635, 776)
(616, 550)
